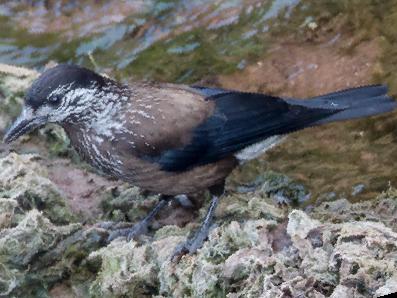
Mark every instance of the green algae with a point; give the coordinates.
(213, 52)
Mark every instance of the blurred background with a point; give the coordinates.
(297, 48)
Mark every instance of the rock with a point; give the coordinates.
(36, 255)
(382, 209)
(281, 188)
(348, 259)
(344, 292)
(7, 211)
(243, 206)
(34, 234)
(126, 203)
(25, 181)
(357, 189)
(21, 245)
(300, 224)
(127, 269)
(390, 287)
(356, 255)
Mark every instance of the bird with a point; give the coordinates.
(172, 139)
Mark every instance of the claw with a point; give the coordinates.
(181, 250)
(117, 233)
(137, 230)
(120, 230)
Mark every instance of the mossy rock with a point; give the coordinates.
(25, 181)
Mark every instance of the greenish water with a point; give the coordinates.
(180, 41)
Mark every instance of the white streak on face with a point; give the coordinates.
(99, 116)
(93, 107)
(132, 143)
(61, 89)
(74, 102)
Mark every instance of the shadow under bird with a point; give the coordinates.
(176, 139)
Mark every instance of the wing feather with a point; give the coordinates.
(238, 120)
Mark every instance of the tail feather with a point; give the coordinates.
(365, 91)
(351, 103)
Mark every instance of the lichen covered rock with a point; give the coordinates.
(21, 245)
(126, 270)
(383, 209)
(258, 258)
(126, 203)
(359, 255)
(25, 181)
(7, 212)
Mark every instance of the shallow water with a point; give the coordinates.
(164, 40)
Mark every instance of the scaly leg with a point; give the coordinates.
(142, 226)
(193, 244)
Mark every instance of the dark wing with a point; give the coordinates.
(238, 120)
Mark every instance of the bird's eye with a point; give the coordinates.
(55, 99)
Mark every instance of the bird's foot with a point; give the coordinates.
(130, 233)
(191, 245)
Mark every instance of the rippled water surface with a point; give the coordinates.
(165, 40)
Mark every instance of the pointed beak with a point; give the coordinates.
(25, 123)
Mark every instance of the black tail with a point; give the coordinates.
(352, 103)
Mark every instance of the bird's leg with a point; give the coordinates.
(192, 244)
(142, 226)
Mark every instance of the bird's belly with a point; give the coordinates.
(122, 164)
(149, 177)
(255, 150)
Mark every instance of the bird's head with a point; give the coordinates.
(59, 95)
